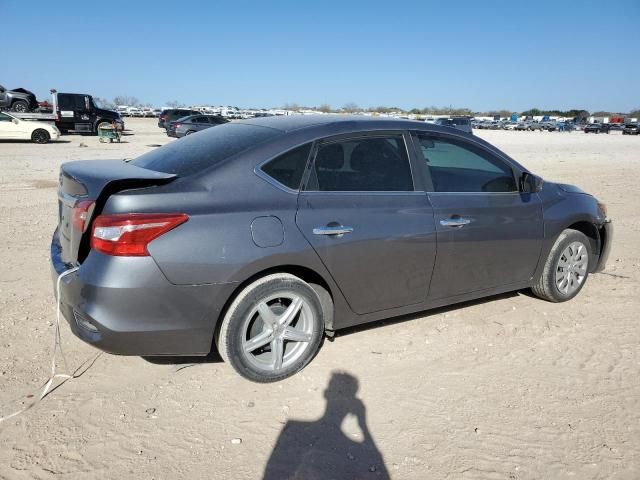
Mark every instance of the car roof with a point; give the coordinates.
(292, 123)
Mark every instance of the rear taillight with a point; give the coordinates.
(130, 234)
(82, 214)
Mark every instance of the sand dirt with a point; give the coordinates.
(510, 387)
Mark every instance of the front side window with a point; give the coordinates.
(459, 166)
(288, 168)
(370, 164)
(4, 117)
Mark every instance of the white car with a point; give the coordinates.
(12, 128)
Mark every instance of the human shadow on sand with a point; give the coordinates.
(320, 449)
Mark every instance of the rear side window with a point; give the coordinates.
(371, 164)
(193, 154)
(288, 168)
(458, 166)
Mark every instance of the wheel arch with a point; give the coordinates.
(313, 278)
(590, 230)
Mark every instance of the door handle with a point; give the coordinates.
(455, 222)
(332, 230)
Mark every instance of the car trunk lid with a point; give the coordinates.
(83, 189)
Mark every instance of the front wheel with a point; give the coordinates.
(566, 269)
(20, 106)
(272, 329)
(40, 136)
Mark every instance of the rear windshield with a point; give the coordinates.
(195, 153)
(461, 121)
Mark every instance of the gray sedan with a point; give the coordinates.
(259, 237)
(194, 123)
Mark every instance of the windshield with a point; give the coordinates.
(193, 154)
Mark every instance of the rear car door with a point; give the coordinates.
(489, 233)
(372, 230)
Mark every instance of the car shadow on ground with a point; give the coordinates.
(426, 313)
(321, 449)
(212, 357)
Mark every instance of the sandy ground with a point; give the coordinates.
(510, 387)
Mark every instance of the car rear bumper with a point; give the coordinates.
(126, 306)
(606, 239)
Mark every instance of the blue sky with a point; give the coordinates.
(477, 54)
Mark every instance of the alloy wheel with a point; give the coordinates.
(277, 332)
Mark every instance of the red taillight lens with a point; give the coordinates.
(82, 214)
(130, 234)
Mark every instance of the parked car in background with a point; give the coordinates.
(17, 100)
(461, 123)
(631, 129)
(170, 114)
(510, 126)
(548, 126)
(194, 123)
(12, 128)
(596, 128)
(254, 237)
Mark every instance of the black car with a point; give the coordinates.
(17, 100)
(596, 128)
(171, 114)
(631, 129)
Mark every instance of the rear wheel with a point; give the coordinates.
(20, 106)
(272, 329)
(189, 132)
(566, 269)
(40, 136)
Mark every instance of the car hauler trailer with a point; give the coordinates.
(74, 112)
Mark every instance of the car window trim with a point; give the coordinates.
(515, 172)
(355, 136)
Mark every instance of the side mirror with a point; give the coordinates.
(530, 183)
(15, 120)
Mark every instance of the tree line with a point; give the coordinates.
(433, 110)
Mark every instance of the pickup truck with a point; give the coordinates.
(18, 100)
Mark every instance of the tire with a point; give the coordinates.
(20, 106)
(572, 249)
(246, 319)
(40, 135)
(189, 132)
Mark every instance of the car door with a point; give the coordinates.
(10, 129)
(489, 234)
(372, 230)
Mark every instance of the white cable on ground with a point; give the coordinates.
(57, 345)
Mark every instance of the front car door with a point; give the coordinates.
(489, 233)
(9, 128)
(373, 231)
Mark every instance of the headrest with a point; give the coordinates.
(330, 157)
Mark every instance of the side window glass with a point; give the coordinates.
(458, 166)
(4, 118)
(378, 164)
(288, 168)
